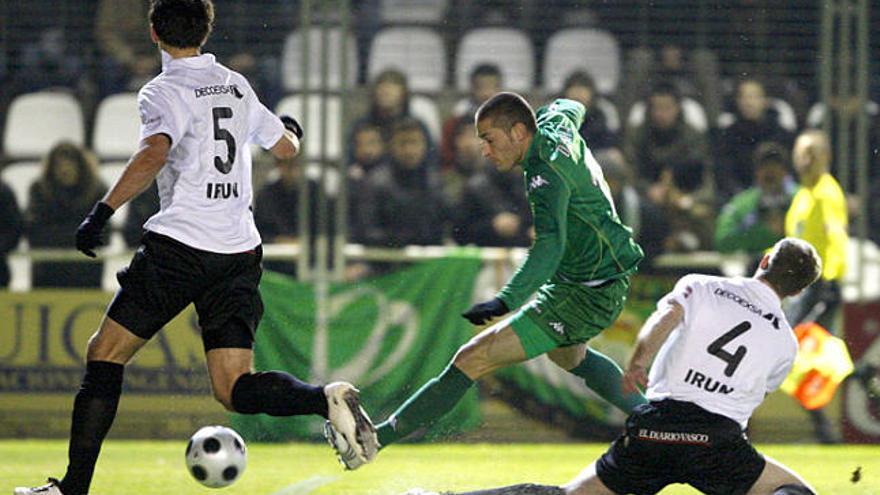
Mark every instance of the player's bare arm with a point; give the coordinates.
(652, 336)
(141, 170)
(287, 147)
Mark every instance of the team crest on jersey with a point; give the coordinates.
(536, 182)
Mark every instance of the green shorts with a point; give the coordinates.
(566, 313)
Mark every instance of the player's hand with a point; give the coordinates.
(88, 234)
(483, 312)
(292, 125)
(635, 379)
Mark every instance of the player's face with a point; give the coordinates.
(500, 147)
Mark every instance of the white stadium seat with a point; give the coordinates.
(417, 52)
(117, 127)
(508, 48)
(19, 177)
(412, 11)
(293, 53)
(786, 116)
(694, 114)
(424, 109)
(594, 51)
(312, 123)
(37, 121)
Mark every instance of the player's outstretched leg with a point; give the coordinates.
(600, 373)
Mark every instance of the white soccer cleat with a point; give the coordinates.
(350, 424)
(50, 488)
(344, 452)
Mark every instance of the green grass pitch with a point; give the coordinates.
(147, 468)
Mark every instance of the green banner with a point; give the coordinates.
(387, 336)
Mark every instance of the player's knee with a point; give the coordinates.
(472, 360)
(224, 397)
(793, 490)
(566, 360)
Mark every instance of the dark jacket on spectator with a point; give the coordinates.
(736, 148)
(486, 194)
(651, 150)
(10, 229)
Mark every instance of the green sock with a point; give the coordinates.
(604, 377)
(427, 405)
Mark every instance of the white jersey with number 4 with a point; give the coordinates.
(732, 348)
(211, 115)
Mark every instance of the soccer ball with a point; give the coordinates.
(216, 456)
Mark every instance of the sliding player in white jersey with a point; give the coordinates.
(198, 119)
(724, 344)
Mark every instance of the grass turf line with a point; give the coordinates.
(149, 468)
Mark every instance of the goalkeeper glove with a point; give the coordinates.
(483, 312)
(88, 234)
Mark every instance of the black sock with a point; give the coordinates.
(277, 393)
(93, 411)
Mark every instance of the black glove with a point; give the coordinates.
(88, 234)
(483, 312)
(292, 125)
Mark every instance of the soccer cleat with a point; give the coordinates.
(51, 488)
(344, 452)
(351, 423)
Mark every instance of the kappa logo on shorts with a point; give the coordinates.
(559, 327)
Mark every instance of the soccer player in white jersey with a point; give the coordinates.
(197, 120)
(724, 344)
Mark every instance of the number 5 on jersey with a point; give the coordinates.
(220, 134)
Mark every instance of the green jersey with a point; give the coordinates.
(579, 237)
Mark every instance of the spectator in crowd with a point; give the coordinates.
(754, 219)
(389, 103)
(276, 209)
(401, 204)
(818, 215)
(369, 156)
(647, 221)
(580, 87)
(754, 122)
(491, 208)
(664, 142)
(140, 209)
(687, 199)
(10, 229)
(59, 200)
(50, 62)
(467, 159)
(485, 81)
(128, 58)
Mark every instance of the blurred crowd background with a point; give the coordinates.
(693, 108)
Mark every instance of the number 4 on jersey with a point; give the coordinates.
(716, 348)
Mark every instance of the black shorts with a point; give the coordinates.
(165, 276)
(669, 441)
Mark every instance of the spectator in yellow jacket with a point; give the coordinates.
(818, 215)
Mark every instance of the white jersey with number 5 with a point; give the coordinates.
(211, 115)
(732, 348)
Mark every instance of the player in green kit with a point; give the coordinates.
(579, 264)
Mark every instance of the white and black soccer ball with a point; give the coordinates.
(216, 456)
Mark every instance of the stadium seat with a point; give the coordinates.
(612, 117)
(424, 109)
(412, 11)
(19, 177)
(508, 48)
(816, 114)
(313, 124)
(594, 51)
(293, 53)
(117, 127)
(37, 121)
(692, 110)
(417, 52)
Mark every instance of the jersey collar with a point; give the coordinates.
(200, 62)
